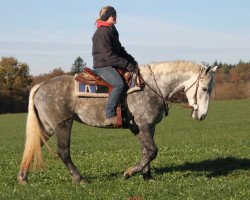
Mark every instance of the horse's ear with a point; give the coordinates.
(214, 68)
(208, 69)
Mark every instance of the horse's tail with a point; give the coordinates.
(34, 136)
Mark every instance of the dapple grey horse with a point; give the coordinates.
(53, 107)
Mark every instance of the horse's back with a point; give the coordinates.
(55, 90)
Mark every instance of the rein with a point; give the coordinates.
(166, 103)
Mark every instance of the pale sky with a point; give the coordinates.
(48, 34)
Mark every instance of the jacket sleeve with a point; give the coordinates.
(126, 55)
(108, 53)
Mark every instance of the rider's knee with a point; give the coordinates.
(119, 86)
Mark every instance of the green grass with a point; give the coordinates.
(196, 160)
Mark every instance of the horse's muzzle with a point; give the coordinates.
(194, 114)
(202, 117)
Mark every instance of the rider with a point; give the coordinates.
(108, 54)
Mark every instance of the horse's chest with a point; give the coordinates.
(146, 107)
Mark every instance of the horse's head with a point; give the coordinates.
(198, 93)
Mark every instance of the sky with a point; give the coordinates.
(48, 34)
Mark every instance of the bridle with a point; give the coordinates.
(194, 106)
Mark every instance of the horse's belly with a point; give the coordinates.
(91, 111)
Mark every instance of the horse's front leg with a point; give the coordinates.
(149, 152)
(146, 172)
(63, 132)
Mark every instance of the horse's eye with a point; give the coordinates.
(204, 89)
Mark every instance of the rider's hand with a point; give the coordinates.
(131, 67)
(136, 64)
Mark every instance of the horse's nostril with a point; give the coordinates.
(202, 117)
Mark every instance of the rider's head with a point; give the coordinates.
(108, 14)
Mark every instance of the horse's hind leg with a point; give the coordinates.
(149, 152)
(37, 133)
(63, 132)
(22, 176)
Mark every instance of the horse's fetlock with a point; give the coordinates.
(22, 177)
(147, 176)
(79, 180)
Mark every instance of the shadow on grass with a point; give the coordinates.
(109, 177)
(214, 168)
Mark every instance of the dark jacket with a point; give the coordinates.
(107, 49)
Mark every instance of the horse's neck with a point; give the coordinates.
(168, 84)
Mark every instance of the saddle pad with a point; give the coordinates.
(135, 84)
(85, 90)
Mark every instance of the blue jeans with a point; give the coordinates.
(110, 75)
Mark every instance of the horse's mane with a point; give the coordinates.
(171, 67)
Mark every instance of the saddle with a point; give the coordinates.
(89, 77)
(132, 83)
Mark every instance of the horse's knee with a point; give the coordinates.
(153, 153)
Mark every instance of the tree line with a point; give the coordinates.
(232, 82)
(16, 82)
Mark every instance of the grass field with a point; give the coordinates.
(196, 160)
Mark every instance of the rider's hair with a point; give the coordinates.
(106, 12)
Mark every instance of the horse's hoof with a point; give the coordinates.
(21, 180)
(128, 173)
(80, 181)
(147, 177)
(151, 180)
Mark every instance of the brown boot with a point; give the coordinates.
(110, 121)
